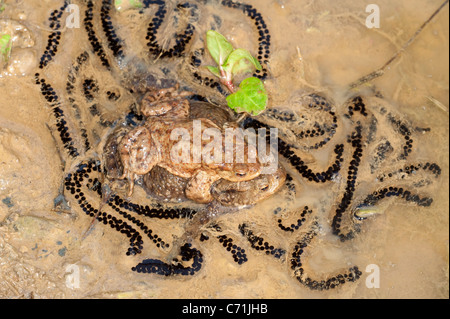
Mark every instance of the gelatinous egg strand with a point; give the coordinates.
(181, 40)
(114, 43)
(411, 169)
(258, 243)
(61, 123)
(92, 37)
(238, 253)
(299, 223)
(54, 37)
(303, 276)
(286, 151)
(159, 267)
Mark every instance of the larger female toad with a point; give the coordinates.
(167, 187)
(152, 144)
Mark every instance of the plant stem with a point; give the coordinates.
(225, 79)
(229, 85)
(243, 116)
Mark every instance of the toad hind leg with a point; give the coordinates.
(198, 188)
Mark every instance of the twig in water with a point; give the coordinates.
(380, 71)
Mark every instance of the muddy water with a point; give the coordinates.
(316, 46)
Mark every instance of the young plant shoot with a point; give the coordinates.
(122, 5)
(5, 47)
(250, 96)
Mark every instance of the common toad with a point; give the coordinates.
(154, 144)
(165, 186)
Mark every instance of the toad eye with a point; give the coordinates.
(241, 174)
(265, 188)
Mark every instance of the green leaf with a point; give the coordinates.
(243, 66)
(5, 47)
(122, 5)
(214, 70)
(241, 61)
(218, 46)
(251, 97)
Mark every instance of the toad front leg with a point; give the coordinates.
(138, 153)
(198, 188)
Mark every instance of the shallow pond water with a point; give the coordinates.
(316, 46)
